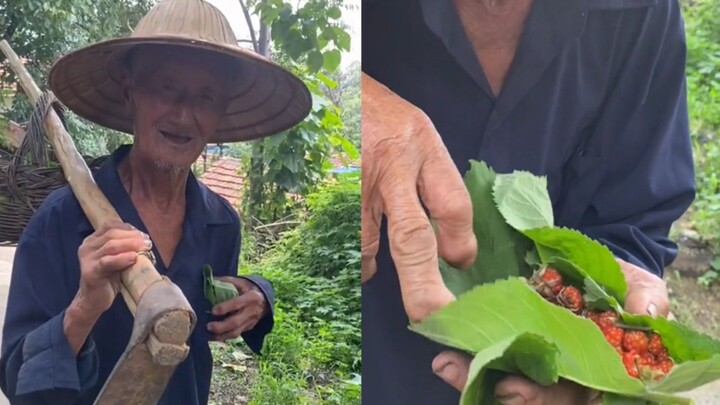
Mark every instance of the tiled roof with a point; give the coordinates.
(224, 179)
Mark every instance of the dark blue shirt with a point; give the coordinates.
(38, 366)
(595, 100)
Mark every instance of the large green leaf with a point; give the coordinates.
(502, 248)
(559, 343)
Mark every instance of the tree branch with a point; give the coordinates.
(250, 25)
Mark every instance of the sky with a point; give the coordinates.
(351, 18)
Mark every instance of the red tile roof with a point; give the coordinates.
(224, 179)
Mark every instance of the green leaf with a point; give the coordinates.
(523, 200)
(342, 39)
(595, 260)
(217, 291)
(315, 61)
(334, 13)
(547, 342)
(327, 81)
(331, 60)
(290, 160)
(501, 248)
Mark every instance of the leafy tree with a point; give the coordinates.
(41, 31)
(308, 39)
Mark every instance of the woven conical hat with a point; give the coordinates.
(268, 98)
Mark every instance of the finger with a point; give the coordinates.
(446, 197)
(370, 217)
(413, 248)
(232, 334)
(121, 234)
(114, 263)
(241, 284)
(118, 246)
(647, 293)
(452, 367)
(517, 390)
(99, 237)
(236, 321)
(234, 305)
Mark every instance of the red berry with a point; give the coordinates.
(656, 370)
(609, 316)
(619, 349)
(630, 361)
(662, 354)
(613, 334)
(636, 341)
(645, 360)
(571, 298)
(664, 365)
(655, 346)
(547, 282)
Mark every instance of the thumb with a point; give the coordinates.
(641, 303)
(452, 367)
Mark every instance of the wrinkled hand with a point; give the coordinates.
(647, 294)
(403, 156)
(243, 312)
(103, 255)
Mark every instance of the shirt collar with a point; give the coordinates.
(202, 209)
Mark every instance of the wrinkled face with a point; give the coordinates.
(178, 98)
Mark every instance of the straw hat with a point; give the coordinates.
(268, 99)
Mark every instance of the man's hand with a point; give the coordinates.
(243, 312)
(647, 294)
(404, 160)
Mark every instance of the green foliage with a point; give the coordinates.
(308, 40)
(315, 270)
(304, 33)
(703, 83)
(42, 31)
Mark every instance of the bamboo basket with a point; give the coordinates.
(24, 185)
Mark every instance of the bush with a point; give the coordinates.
(315, 270)
(703, 83)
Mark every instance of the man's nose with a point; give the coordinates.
(182, 115)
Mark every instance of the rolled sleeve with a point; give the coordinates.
(38, 364)
(48, 362)
(256, 336)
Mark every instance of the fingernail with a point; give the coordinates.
(148, 243)
(512, 399)
(652, 310)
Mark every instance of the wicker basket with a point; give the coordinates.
(23, 188)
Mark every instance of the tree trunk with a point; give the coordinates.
(264, 40)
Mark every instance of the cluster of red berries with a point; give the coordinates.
(643, 353)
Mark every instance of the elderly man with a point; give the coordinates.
(177, 83)
(589, 93)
